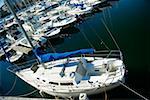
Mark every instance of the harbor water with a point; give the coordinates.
(129, 23)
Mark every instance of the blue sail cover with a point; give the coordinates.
(79, 5)
(56, 56)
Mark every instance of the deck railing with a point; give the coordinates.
(103, 53)
(107, 54)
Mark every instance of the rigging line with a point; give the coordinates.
(13, 86)
(132, 90)
(87, 39)
(27, 93)
(109, 54)
(104, 16)
(106, 98)
(98, 37)
(53, 49)
(110, 18)
(110, 34)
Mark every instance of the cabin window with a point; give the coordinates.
(53, 83)
(43, 80)
(66, 83)
(96, 70)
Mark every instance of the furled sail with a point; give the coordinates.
(55, 56)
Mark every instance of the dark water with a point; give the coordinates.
(129, 21)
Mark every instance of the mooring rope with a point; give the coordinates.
(13, 86)
(29, 93)
(105, 93)
(110, 34)
(104, 16)
(110, 18)
(133, 91)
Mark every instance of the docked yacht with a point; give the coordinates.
(93, 2)
(77, 8)
(62, 20)
(67, 75)
(13, 55)
(45, 32)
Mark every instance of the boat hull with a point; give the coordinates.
(94, 85)
(91, 91)
(88, 92)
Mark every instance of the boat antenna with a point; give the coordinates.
(20, 25)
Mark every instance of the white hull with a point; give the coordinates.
(41, 78)
(93, 91)
(76, 94)
(78, 11)
(55, 31)
(50, 33)
(15, 57)
(64, 22)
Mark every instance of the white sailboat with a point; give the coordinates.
(67, 76)
(46, 30)
(71, 73)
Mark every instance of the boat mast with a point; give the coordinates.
(20, 25)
